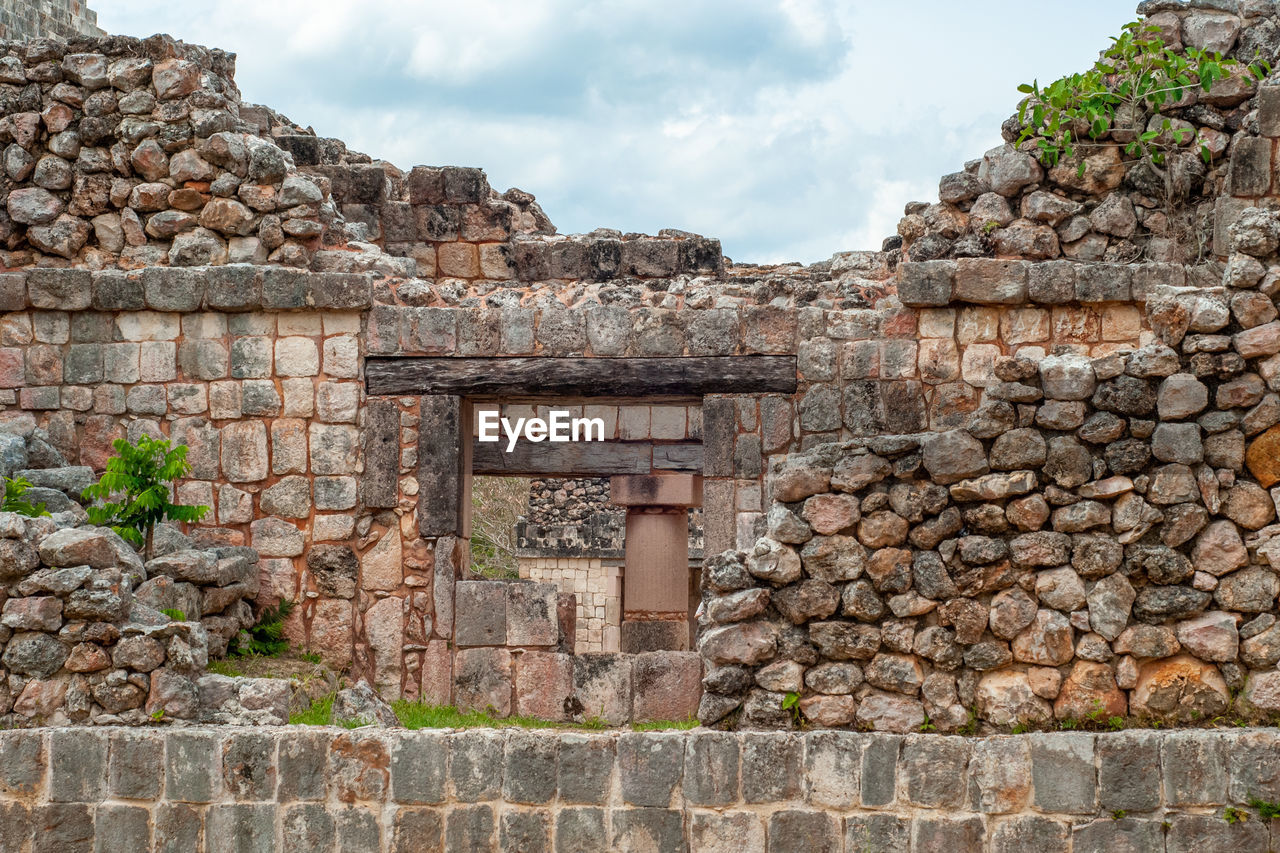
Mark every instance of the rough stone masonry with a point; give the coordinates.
(1025, 472)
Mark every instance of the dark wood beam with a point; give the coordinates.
(440, 462)
(583, 459)
(582, 377)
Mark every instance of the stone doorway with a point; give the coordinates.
(655, 472)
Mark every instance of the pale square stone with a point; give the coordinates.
(157, 361)
(342, 357)
(255, 323)
(204, 325)
(633, 422)
(147, 326)
(1121, 323)
(667, 422)
(978, 365)
(51, 327)
(235, 506)
(1024, 326)
(306, 323)
(937, 323)
(337, 402)
(977, 324)
(608, 414)
(15, 330)
(224, 400)
(77, 398)
(898, 359)
(1075, 325)
(299, 398)
(188, 398)
(939, 360)
(120, 363)
(747, 495)
(1032, 353)
(195, 493)
(297, 357)
(332, 527)
(341, 324)
(109, 400)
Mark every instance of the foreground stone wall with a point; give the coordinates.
(301, 789)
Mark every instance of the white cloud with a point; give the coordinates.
(790, 129)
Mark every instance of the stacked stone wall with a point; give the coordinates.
(62, 19)
(179, 263)
(483, 790)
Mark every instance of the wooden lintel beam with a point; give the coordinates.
(582, 377)
(583, 459)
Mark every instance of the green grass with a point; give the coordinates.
(665, 725)
(418, 715)
(319, 714)
(224, 667)
(311, 657)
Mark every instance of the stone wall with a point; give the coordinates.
(180, 263)
(24, 19)
(484, 790)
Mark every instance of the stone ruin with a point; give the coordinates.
(1015, 465)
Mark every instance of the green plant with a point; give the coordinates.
(1068, 723)
(133, 492)
(927, 725)
(1118, 814)
(1136, 75)
(971, 725)
(14, 489)
(1020, 728)
(665, 725)
(174, 614)
(311, 657)
(1267, 810)
(355, 723)
(991, 226)
(157, 714)
(318, 714)
(1115, 723)
(791, 702)
(1231, 814)
(224, 667)
(266, 637)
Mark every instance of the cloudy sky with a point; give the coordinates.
(790, 129)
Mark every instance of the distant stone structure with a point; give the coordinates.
(62, 19)
(573, 537)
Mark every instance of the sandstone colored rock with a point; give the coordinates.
(1263, 457)
(1179, 688)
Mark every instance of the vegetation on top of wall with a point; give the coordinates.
(1137, 76)
(134, 490)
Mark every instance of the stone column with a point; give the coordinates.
(655, 582)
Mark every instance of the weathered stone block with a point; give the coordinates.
(192, 765)
(530, 775)
(650, 766)
(711, 771)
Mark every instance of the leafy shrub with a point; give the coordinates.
(134, 490)
(14, 489)
(1137, 75)
(174, 614)
(266, 637)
